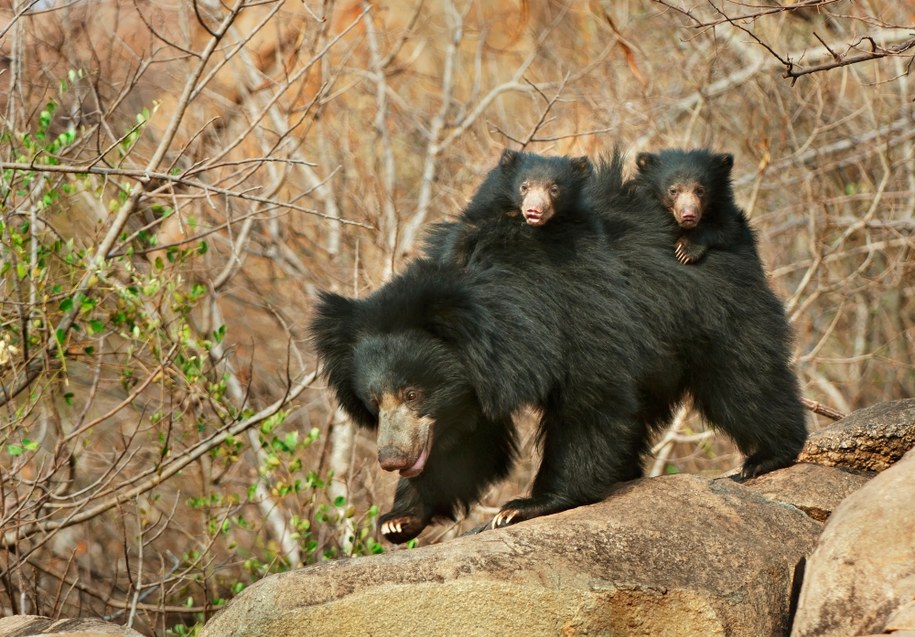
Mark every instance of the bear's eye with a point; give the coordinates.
(524, 187)
(700, 191)
(410, 395)
(554, 190)
(672, 191)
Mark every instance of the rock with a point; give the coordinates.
(861, 577)
(814, 489)
(872, 438)
(902, 619)
(676, 555)
(23, 625)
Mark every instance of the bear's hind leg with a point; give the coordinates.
(761, 412)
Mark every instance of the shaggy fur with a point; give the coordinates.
(589, 318)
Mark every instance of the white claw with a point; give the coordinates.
(391, 527)
(503, 518)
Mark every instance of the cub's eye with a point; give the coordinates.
(411, 395)
(672, 191)
(524, 187)
(700, 191)
(554, 190)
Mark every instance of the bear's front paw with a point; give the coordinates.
(399, 528)
(687, 252)
(506, 517)
(515, 511)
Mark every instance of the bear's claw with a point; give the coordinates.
(398, 529)
(504, 518)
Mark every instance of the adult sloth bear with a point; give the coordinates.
(604, 339)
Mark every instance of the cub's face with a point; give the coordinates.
(543, 185)
(686, 181)
(539, 198)
(686, 199)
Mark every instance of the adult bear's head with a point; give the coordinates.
(416, 388)
(392, 363)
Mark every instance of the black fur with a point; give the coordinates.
(734, 335)
(589, 318)
(408, 333)
(723, 225)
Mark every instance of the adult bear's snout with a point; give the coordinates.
(404, 441)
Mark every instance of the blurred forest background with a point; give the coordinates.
(179, 178)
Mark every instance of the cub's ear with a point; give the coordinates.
(726, 160)
(645, 160)
(334, 334)
(509, 158)
(582, 165)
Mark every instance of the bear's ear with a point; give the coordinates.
(645, 160)
(509, 158)
(726, 160)
(332, 325)
(333, 334)
(582, 165)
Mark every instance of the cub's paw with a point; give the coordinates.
(687, 252)
(399, 528)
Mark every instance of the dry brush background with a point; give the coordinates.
(179, 178)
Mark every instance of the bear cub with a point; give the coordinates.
(522, 194)
(694, 186)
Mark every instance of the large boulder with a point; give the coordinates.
(861, 577)
(677, 555)
(29, 625)
(871, 439)
(815, 489)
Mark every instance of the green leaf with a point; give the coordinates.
(86, 304)
(66, 305)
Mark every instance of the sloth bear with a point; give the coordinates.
(694, 186)
(524, 193)
(603, 331)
